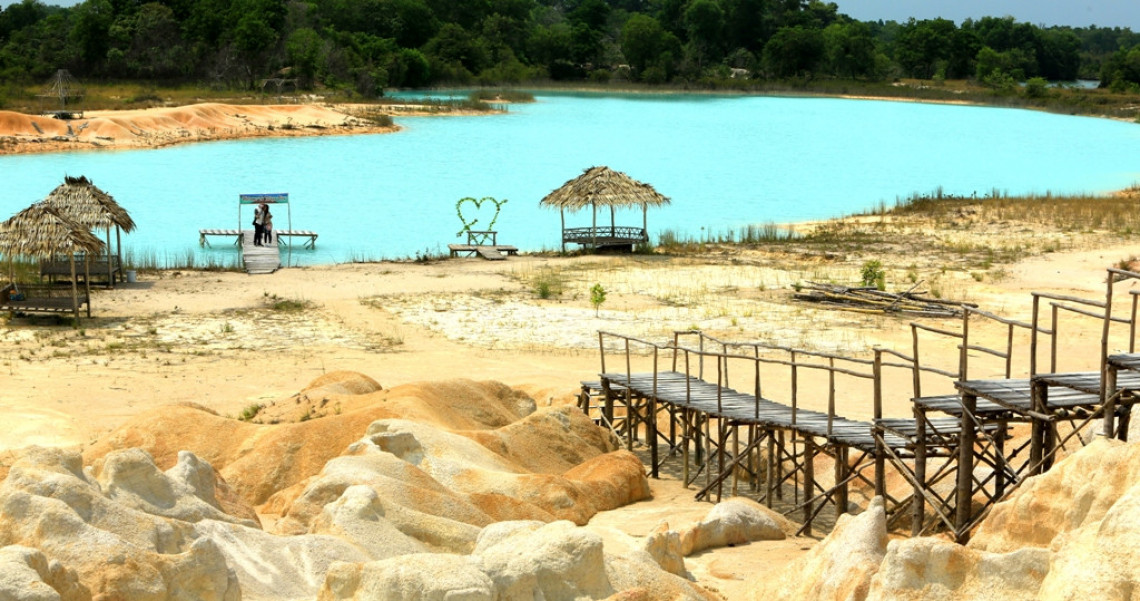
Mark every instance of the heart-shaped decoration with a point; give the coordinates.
(471, 217)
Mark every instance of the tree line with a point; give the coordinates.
(368, 45)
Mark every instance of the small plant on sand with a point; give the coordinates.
(250, 412)
(597, 297)
(873, 275)
(548, 283)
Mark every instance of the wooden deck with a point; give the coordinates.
(258, 259)
(495, 252)
(309, 237)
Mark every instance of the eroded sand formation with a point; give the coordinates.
(428, 491)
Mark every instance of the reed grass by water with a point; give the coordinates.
(153, 261)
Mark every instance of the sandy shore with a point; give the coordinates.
(157, 127)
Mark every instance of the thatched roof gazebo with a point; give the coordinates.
(604, 187)
(63, 87)
(41, 231)
(80, 200)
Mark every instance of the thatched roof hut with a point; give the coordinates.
(604, 187)
(80, 200)
(42, 231)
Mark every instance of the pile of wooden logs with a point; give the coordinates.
(873, 300)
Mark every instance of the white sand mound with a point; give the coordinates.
(840, 567)
(49, 504)
(734, 521)
(512, 560)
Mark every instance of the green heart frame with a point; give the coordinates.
(467, 225)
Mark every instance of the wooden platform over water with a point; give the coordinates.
(258, 259)
(309, 238)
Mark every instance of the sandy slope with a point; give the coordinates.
(21, 133)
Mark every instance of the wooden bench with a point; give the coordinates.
(42, 299)
(57, 267)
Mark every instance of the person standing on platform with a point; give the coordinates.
(258, 224)
(267, 226)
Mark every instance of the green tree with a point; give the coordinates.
(89, 35)
(793, 51)
(704, 22)
(643, 40)
(922, 45)
(303, 51)
(850, 49)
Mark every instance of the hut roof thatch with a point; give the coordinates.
(603, 187)
(42, 231)
(80, 200)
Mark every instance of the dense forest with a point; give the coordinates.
(365, 46)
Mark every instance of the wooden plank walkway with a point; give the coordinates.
(704, 397)
(258, 259)
(310, 237)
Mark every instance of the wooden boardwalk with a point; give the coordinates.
(685, 402)
(309, 238)
(258, 259)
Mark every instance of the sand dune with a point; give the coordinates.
(21, 133)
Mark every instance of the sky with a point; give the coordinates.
(1078, 13)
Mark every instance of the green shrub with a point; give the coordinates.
(597, 297)
(873, 275)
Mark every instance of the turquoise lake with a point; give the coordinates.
(724, 161)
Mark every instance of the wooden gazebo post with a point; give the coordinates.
(594, 227)
(562, 215)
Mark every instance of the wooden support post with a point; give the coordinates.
(780, 440)
(918, 518)
(809, 481)
(1109, 419)
(1049, 446)
(708, 450)
(75, 291)
(651, 425)
(841, 469)
(770, 476)
(110, 263)
(753, 458)
(735, 454)
(1000, 463)
(685, 439)
(608, 403)
(672, 428)
(877, 414)
(1122, 425)
(722, 427)
(651, 435)
(698, 444)
(965, 488)
(1037, 393)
